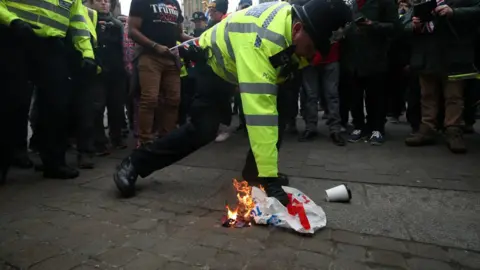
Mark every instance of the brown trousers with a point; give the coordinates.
(159, 96)
(432, 88)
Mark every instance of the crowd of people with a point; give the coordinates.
(392, 59)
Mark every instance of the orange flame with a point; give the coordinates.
(245, 203)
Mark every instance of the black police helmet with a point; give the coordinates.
(322, 19)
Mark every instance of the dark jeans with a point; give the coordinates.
(471, 96)
(109, 91)
(321, 83)
(212, 93)
(44, 62)
(372, 90)
(83, 113)
(344, 94)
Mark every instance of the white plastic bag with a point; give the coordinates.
(302, 214)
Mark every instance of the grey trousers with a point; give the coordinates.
(322, 82)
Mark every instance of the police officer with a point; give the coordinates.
(200, 21)
(254, 48)
(83, 96)
(32, 48)
(217, 10)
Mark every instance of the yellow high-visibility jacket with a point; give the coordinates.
(91, 20)
(54, 17)
(239, 49)
(183, 69)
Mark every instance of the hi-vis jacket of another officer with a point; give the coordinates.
(239, 49)
(91, 20)
(54, 17)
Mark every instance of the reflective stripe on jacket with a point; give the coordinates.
(239, 49)
(92, 24)
(54, 17)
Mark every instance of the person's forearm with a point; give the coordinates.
(184, 37)
(140, 38)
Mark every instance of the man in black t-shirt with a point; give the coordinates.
(156, 25)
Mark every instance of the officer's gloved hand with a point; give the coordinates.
(195, 54)
(89, 66)
(273, 188)
(23, 29)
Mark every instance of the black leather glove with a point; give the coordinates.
(273, 188)
(23, 29)
(196, 54)
(89, 66)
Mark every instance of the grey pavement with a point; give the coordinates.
(412, 208)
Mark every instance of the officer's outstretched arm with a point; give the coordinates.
(257, 83)
(80, 32)
(6, 17)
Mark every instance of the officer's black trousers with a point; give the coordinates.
(212, 95)
(44, 62)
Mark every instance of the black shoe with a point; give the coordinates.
(337, 139)
(62, 172)
(307, 135)
(274, 189)
(283, 179)
(85, 161)
(119, 144)
(22, 161)
(102, 150)
(125, 178)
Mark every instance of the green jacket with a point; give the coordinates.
(364, 50)
(450, 49)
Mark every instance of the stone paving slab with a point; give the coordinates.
(411, 209)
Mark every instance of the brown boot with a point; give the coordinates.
(455, 142)
(424, 136)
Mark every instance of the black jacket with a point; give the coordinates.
(450, 49)
(364, 51)
(198, 31)
(109, 51)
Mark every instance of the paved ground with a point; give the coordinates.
(411, 209)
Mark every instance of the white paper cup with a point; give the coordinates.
(339, 193)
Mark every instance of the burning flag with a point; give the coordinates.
(240, 216)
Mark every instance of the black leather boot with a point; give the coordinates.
(307, 135)
(273, 188)
(282, 179)
(125, 178)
